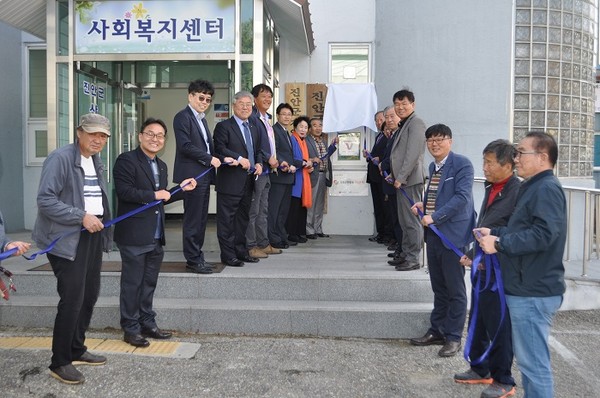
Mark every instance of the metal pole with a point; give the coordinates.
(586, 233)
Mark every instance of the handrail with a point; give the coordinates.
(583, 225)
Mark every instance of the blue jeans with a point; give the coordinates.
(531, 319)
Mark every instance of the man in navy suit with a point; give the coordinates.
(237, 143)
(448, 205)
(280, 194)
(140, 178)
(195, 155)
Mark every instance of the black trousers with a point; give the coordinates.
(139, 275)
(78, 285)
(280, 197)
(377, 197)
(195, 216)
(392, 225)
(447, 278)
(500, 359)
(296, 219)
(232, 221)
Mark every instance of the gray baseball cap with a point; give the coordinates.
(94, 123)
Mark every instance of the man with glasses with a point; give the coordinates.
(530, 249)
(448, 204)
(195, 155)
(406, 165)
(141, 177)
(237, 143)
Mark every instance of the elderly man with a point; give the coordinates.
(530, 249)
(237, 143)
(448, 205)
(501, 190)
(374, 157)
(141, 177)
(71, 197)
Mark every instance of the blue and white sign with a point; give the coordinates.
(154, 26)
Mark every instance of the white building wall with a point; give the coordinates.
(457, 58)
(340, 22)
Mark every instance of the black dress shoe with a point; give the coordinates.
(293, 238)
(311, 236)
(428, 339)
(322, 235)
(302, 239)
(396, 261)
(248, 259)
(450, 349)
(291, 243)
(374, 238)
(136, 340)
(280, 245)
(199, 268)
(408, 267)
(233, 262)
(156, 333)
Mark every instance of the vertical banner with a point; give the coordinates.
(315, 99)
(295, 95)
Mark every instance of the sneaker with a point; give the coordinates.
(256, 252)
(498, 390)
(90, 359)
(471, 377)
(67, 374)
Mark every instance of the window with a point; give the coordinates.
(36, 90)
(350, 63)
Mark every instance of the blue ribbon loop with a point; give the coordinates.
(491, 263)
(114, 220)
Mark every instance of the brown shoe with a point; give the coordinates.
(256, 252)
(271, 250)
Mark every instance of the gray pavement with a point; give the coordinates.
(251, 366)
(284, 366)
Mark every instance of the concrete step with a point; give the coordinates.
(217, 316)
(319, 286)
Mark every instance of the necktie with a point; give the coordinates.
(248, 138)
(154, 168)
(202, 129)
(270, 134)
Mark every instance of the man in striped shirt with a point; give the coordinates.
(72, 205)
(448, 205)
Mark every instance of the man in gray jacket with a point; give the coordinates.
(406, 163)
(72, 204)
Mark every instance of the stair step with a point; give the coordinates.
(291, 317)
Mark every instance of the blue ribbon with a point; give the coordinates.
(330, 150)
(435, 230)
(8, 253)
(491, 262)
(369, 157)
(115, 220)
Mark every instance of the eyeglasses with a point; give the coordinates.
(151, 135)
(202, 98)
(436, 140)
(244, 104)
(519, 153)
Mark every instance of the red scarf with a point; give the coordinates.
(306, 187)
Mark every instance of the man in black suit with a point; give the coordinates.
(280, 194)
(237, 143)
(141, 177)
(374, 179)
(194, 156)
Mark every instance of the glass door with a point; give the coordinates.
(102, 91)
